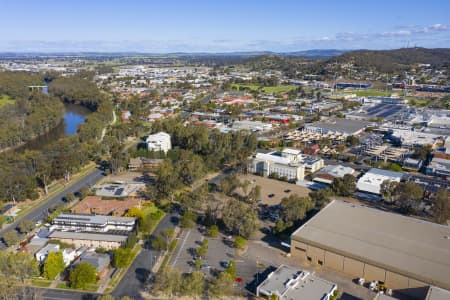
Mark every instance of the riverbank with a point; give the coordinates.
(73, 115)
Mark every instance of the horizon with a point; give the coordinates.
(237, 52)
(220, 27)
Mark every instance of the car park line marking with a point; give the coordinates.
(181, 248)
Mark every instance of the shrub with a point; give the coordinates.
(240, 242)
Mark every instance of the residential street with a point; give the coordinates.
(40, 211)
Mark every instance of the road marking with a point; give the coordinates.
(181, 248)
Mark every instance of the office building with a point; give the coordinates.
(159, 142)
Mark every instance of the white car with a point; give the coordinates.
(373, 285)
(361, 281)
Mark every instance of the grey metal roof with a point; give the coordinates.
(93, 219)
(88, 236)
(340, 125)
(405, 245)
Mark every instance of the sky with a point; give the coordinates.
(221, 25)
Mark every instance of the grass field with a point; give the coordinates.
(265, 89)
(367, 93)
(41, 283)
(4, 99)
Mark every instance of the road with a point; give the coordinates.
(41, 210)
(49, 294)
(138, 273)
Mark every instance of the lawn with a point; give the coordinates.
(265, 89)
(368, 93)
(64, 285)
(153, 214)
(4, 99)
(41, 283)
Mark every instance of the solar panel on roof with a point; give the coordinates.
(118, 192)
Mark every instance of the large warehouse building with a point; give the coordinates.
(406, 253)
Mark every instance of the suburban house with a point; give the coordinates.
(100, 261)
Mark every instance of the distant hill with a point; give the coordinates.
(388, 61)
(315, 53)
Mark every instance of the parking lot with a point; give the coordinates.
(254, 265)
(274, 187)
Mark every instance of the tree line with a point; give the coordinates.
(24, 172)
(31, 114)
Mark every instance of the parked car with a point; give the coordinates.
(271, 195)
(373, 285)
(225, 264)
(361, 281)
(205, 266)
(287, 191)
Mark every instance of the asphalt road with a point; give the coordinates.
(40, 212)
(138, 273)
(49, 294)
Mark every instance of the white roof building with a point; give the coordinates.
(327, 174)
(271, 163)
(42, 254)
(288, 283)
(159, 142)
(371, 181)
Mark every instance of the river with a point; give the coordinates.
(74, 115)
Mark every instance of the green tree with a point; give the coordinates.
(194, 284)
(408, 194)
(82, 275)
(188, 220)
(441, 206)
(159, 243)
(11, 238)
(394, 167)
(222, 285)
(203, 249)
(231, 269)
(240, 218)
(106, 297)
(240, 242)
(281, 225)
(345, 186)
(352, 140)
(168, 281)
(387, 189)
(122, 257)
(213, 231)
(26, 226)
(54, 264)
(22, 266)
(320, 197)
(294, 207)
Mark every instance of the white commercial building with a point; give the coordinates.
(251, 126)
(289, 163)
(274, 163)
(288, 283)
(330, 172)
(159, 142)
(371, 181)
